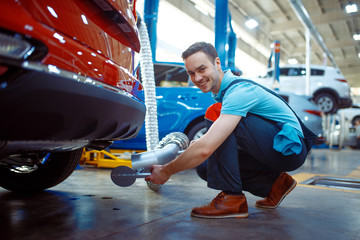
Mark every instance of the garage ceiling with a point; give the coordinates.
(278, 21)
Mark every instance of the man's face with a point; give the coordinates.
(204, 73)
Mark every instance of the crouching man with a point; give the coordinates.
(253, 138)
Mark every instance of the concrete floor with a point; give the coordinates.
(89, 206)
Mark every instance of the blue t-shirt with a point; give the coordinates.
(245, 97)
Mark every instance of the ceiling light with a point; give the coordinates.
(351, 8)
(251, 23)
(204, 7)
(356, 36)
(202, 10)
(359, 55)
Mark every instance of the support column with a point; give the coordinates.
(151, 9)
(276, 83)
(221, 25)
(232, 46)
(308, 61)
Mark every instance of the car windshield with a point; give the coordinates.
(170, 76)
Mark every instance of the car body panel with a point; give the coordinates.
(81, 75)
(350, 114)
(67, 51)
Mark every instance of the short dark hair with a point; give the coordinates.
(204, 47)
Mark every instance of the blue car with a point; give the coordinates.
(181, 107)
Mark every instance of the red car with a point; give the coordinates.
(66, 82)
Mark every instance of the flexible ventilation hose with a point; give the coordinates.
(148, 81)
(166, 151)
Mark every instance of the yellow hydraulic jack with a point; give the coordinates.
(108, 159)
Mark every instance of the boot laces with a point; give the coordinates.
(219, 198)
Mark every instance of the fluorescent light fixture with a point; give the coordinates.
(84, 19)
(359, 55)
(202, 10)
(356, 36)
(251, 23)
(351, 8)
(204, 7)
(292, 61)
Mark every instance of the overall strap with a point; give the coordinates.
(309, 136)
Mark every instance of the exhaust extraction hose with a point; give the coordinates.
(168, 149)
(148, 80)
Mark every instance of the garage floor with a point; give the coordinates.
(89, 206)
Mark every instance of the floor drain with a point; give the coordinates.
(334, 182)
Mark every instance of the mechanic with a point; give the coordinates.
(253, 138)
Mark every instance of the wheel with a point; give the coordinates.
(326, 102)
(48, 172)
(197, 131)
(153, 186)
(355, 119)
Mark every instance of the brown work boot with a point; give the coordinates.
(223, 206)
(283, 185)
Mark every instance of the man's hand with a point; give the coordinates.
(158, 175)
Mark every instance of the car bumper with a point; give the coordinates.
(45, 103)
(345, 102)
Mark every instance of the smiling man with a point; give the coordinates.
(253, 138)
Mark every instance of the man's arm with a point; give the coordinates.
(197, 152)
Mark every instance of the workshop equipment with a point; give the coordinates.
(167, 150)
(111, 158)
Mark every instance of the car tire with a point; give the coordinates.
(197, 131)
(326, 102)
(357, 118)
(53, 171)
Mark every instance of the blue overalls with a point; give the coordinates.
(247, 161)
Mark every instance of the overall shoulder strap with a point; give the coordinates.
(308, 134)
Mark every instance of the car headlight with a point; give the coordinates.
(14, 47)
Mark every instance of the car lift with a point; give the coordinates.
(108, 159)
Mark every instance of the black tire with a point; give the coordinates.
(326, 102)
(56, 169)
(357, 118)
(197, 131)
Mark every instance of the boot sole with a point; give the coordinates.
(237, 215)
(286, 193)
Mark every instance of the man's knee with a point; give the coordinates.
(201, 171)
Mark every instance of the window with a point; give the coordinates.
(317, 72)
(296, 72)
(269, 74)
(284, 71)
(170, 76)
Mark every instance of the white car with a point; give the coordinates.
(344, 130)
(328, 87)
(351, 114)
